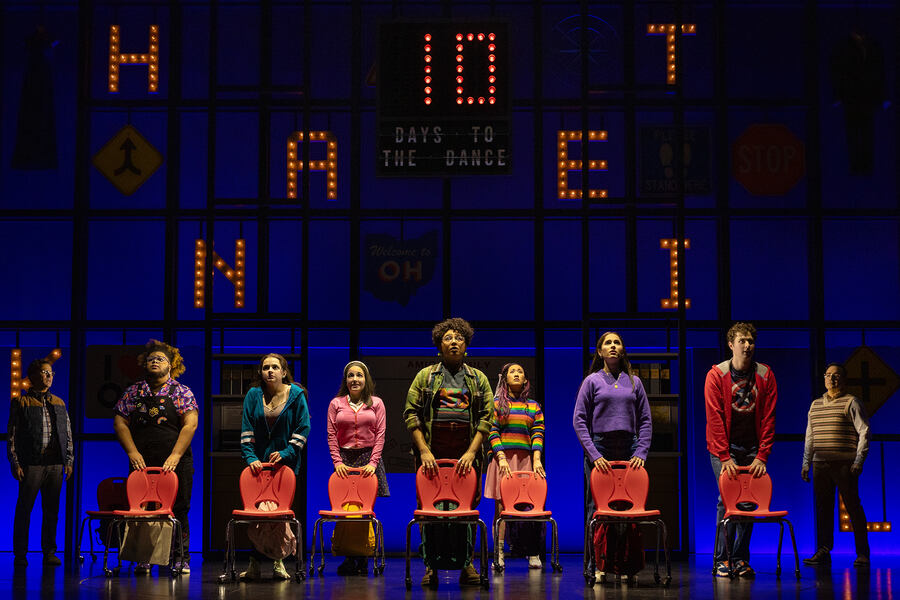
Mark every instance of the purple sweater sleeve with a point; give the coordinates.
(643, 420)
(581, 420)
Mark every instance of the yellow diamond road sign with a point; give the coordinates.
(128, 160)
(870, 379)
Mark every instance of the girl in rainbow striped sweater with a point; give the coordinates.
(517, 442)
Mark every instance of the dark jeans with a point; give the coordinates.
(48, 480)
(738, 533)
(828, 475)
(450, 546)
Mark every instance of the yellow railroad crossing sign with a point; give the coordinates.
(128, 160)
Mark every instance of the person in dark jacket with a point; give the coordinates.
(39, 447)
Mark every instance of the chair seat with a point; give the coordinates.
(142, 514)
(756, 514)
(625, 514)
(528, 515)
(100, 513)
(263, 515)
(446, 514)
(346, 513)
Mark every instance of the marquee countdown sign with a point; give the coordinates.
(443, 99)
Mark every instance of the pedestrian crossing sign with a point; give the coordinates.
(128, 160)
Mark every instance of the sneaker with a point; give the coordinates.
(743, 569)
(278, 571)
(821, 557)
(252, 571)
(183, 567)
(861, 561)
(142, 568)
(51, 560)
(534, 562)
(348, 567)
(362, 566)
(20, 561)
(469, 576)
(430, 577)
(722, 569)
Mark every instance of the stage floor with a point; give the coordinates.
(690, 579)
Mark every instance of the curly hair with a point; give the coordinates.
(176, 363)
(740, 327)
(456, 324)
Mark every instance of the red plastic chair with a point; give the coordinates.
(747, 498)
(524, 495)
(274, 483)
(145, 488)
(111, 496)
(355, 490)
(447, 487)
(623, 485)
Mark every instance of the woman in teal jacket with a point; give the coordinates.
(274, 428)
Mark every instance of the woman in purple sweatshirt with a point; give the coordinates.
(612, 419)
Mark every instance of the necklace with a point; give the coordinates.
(272, 405)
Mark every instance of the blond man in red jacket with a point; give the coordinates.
(740, 426)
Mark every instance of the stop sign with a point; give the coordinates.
(767, 159)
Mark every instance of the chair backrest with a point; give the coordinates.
(446, 486)
(274, 483)
(523, 492)
(622, 488)
(354, 489)
(151, 486)
(745, 488)
(112, 494)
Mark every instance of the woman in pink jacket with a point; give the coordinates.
(356, 428)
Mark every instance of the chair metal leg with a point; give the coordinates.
(794, 544)
(656, 567)
(498, 545)
(109, 531)
(80, 536)
(379, 543)
(408, 534)
(554, 546)
(300, 569)
(778, 554)
(312, 548)
(322, 548)
(665, 542)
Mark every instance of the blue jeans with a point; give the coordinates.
(738, 533)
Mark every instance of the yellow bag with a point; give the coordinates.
(353, 539)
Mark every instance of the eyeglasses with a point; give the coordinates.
(50, 373)
(453, 338)
(157, 359)
(833, 376)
